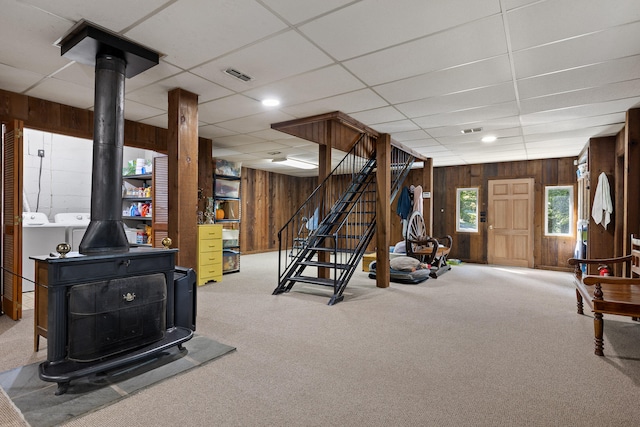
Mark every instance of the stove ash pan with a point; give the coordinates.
(113, 316)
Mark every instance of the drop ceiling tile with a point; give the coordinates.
(152, 75)
(397, 126)
(418, 143)
(590, 49)
(158, 94)
(600, 74)
(548, 21)
(267, 61)
(410, 135)
(514, 4)
(237, 142)
(106, 14)
(63, 92)
(475, 41)
(576, 112)
(296, 11)
(497, 94)
(475, 138)
(212, 29)
(378, 115)
(394, 22)
(584, 134)
(16, 80)
(486, 125)
(317, 84)
(348, 103)
(580, 123)
(213, 131)
(271, 134)
(593, 95)
(161, 121)
(229, 108)
(136, 111)
(35, 30)
(472, 117)
(465, 77)
(256, 122)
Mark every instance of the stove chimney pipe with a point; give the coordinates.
(106, 231)
(115, 59)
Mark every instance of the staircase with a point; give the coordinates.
(326, 238)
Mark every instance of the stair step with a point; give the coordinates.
(324, 264)
(313, 280)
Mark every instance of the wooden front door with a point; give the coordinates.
(12, 220)
(510, 217)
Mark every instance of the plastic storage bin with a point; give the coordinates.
(227, 168)
(226, 188)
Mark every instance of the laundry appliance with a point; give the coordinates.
(39, 237)
(76, 224)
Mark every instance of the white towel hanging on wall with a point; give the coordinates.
(602, 205)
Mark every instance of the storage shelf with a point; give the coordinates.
(138, 218)
(136, 199)
(141, 177)
(227, 197)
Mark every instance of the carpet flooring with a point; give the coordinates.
(40, 407)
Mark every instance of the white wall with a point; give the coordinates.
(65, 181)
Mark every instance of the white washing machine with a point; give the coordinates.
(76, 224)
(39, 237)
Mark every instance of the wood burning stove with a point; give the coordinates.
(109, 305)
(109, 310)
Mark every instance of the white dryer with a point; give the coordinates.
(76, 224)
(39, 237)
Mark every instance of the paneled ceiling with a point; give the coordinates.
(543, 76)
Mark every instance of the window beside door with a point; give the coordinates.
(467, 210)
(558, 217)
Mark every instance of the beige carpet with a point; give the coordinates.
(479, 346)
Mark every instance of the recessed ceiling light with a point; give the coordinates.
(270, 102)
(489, 138)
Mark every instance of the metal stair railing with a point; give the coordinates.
(345, 231)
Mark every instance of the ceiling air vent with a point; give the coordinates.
(238, 75)
(471, 130)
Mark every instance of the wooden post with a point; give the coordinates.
(427, 203)
(383, 209)
(182, 150)
(324, 169)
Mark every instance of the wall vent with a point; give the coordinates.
(238, 75)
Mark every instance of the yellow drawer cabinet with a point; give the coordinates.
(209, 253)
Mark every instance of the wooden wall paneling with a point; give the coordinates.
(632, 178)
(549, 252)
(601, 159)
(621, 244)
(13, 106)
(268, 201)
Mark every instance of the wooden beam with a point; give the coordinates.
(383, 209)
(183, 175)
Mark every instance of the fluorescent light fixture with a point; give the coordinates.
(294, 163)
(489, 138)
(270, 102)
